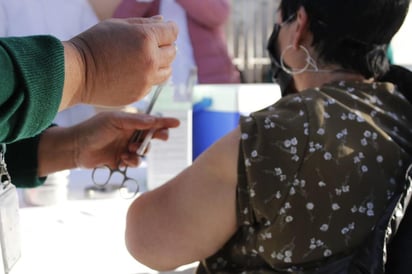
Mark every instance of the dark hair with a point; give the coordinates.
(352, 33)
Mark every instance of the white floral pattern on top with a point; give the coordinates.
(316, 171)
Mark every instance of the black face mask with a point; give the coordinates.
(279, 76)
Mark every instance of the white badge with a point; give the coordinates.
(9, 219)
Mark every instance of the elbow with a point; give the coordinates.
(142, 254)
(136, 244)
(143, 244)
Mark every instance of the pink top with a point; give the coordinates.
(206, 22)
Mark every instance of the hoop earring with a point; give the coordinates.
(310, 62)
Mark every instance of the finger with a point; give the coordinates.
(166, 122)
(130, 159)
(161, 134)
(140, 121)
(157, 17)
(133, 147)
(133, 121)
(165, 33)
(167, 55)
(162, 75)
(113, 165)
(145, 121)
(144, 20)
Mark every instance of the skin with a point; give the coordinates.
(83, 146)
(196, 211)
(208, 13)
(297, 34)
(104, 8)
(117, 61)
(114, 63)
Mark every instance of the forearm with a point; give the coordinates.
(104, 8)
(210, 13)
(133, 8)
(56, 151)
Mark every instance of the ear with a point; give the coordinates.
(302, 28)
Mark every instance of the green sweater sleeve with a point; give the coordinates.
(31, 85)
(21, 159)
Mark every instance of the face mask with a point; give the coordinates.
(279, 76)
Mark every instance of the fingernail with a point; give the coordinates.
(149, 119)
(157, 17)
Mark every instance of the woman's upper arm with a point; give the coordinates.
(210, 13)
(191, 216)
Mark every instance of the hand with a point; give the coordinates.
(105, 138)
(122, 60)
(101, 140)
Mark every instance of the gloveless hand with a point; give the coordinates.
(122, 59)
(103, 139)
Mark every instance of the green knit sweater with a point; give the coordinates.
(31, 84)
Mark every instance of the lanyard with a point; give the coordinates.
(9, 218)
(5, 179)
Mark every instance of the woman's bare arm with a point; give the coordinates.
(191, 216)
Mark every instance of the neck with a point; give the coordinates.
(316, 79)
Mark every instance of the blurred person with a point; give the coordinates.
(201, 42)
(114, 63)
(104, 8)
(62, 19)
(316, 182)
